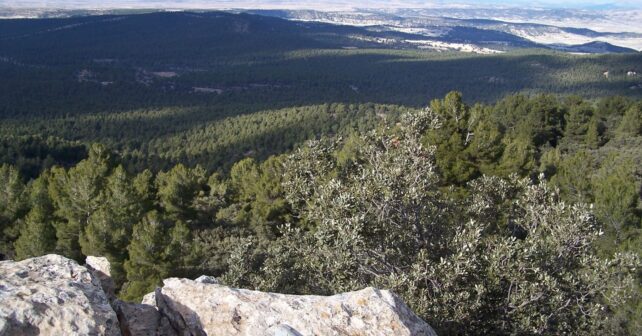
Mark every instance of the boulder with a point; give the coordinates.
(142, 320)
(100, 269)
(204, 308)
(53, 295)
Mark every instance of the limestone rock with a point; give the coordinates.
(207, 279)
(142, 320)
(99, 264)
(198, 308)
(53, 295)
(101, 270)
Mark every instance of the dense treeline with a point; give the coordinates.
(304, 77)
(33, 154)
(454, 207)
(213, 137)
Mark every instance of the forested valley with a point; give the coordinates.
(445, 192)
(509, 206)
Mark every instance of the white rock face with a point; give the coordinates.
(211, 309)
(53, 295)
(100, 268)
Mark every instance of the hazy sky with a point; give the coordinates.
(318, 4)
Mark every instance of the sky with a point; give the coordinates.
(318, 4)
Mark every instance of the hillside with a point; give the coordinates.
(95, 78)
(495, 190)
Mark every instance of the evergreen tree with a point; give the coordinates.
(269, 209)
(77, 194)
(616, 195)
(13, 206)
(631, 124)
(243, 178)
(549, 161)
(577, 121)
(486, 145)
(258, 191)
(109, 228)
(573, 177)
(518, 157)
(178, 188)
(143, 184)
(452, 138)
(156, 250)
(593, 138)
(37, 236)
(545, 120)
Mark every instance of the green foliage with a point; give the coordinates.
(486, 146)
(573, 177)
(157, 247)
(577, 121)
(178, 188)
(77, 194)
(385, 222)
(384, 200)
(109, 228)
(13, 206)
(631, 123)
(258, 191)
(518, 157)
(616, 198)
(37, 236)
(242, 263)
(593, 137)
(451, 139)
(31, 154)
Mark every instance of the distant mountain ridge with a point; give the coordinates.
(596, 47)
(440, 29)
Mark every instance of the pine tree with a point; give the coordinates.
(518, 157)
(486, 145)
(178, 188)
(544, 120)
(593, 134)
(109, 228)
(37, 236)
(156, 251)
(244, 176)
(451, 138)
(616, 195)
(631, 124)
(573, 177)
(269, 209)
(550, 161)
(13, 206)
(76, 195)
(577, 121)
(143, 183)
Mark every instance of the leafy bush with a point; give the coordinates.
(511, 258)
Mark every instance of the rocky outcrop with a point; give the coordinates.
(142, 320)
(100, 269)
(53, 295)
(202, 308)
